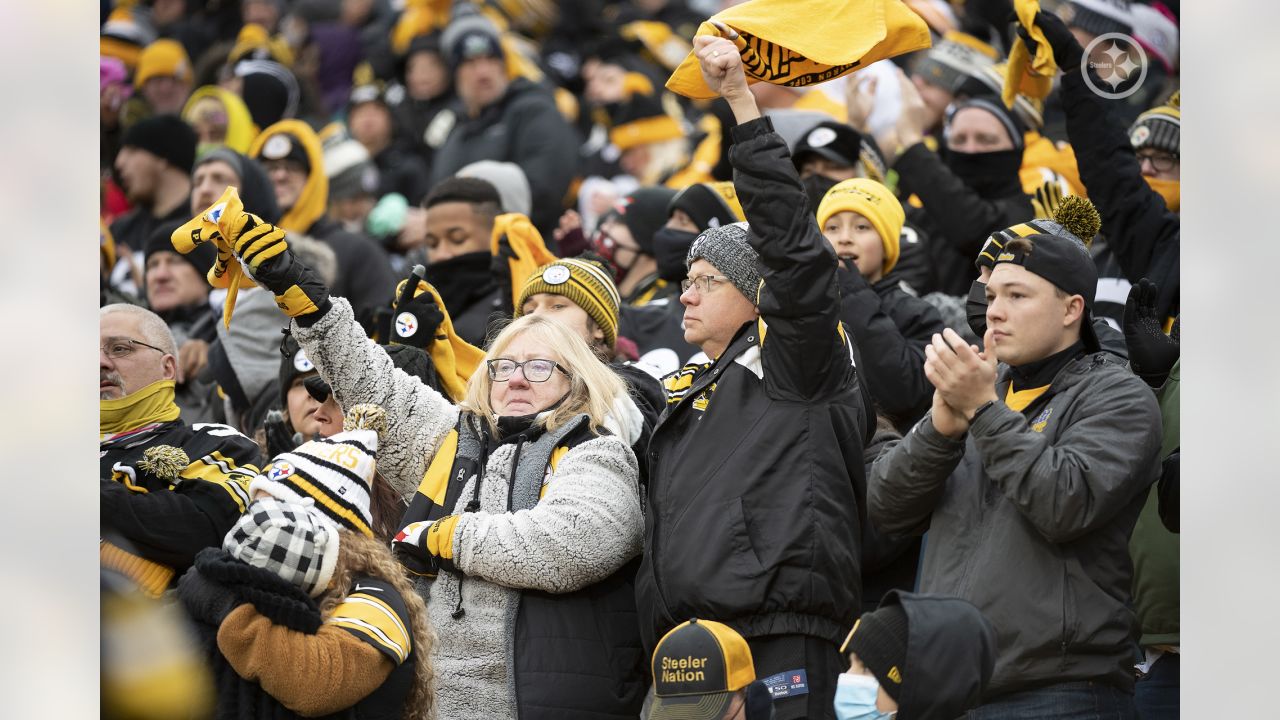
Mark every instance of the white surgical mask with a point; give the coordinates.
(856, 698)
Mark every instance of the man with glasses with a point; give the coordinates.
(756, 471)
(168, 489)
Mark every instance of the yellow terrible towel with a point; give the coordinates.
(780, 46)
(516, 239)
(1028, 74)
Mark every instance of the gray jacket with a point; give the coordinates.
(1030, 518)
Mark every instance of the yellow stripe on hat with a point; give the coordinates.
(321, 496)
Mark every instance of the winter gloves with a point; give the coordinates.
(1151, 352)
(415, 316)
(426, 547)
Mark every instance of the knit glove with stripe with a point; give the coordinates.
(426, 547)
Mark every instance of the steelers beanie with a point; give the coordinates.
(726, 248)
(585, 283)
(165, 136)
(880, 642)
(1160, 127)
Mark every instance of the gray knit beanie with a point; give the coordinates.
(726, 248)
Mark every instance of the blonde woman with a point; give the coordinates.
(525, 524)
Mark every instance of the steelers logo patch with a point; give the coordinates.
(555, 275)
(277, 146)
(279, 471)
(301, 363)
(1139, 135)
(821, 137)
(406, 324)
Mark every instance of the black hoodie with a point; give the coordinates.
(951, 653)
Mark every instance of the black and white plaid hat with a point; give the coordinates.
(293, 541)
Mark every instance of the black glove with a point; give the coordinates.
(280, 438)
(414, 320)
(299, 291)
(1151, 352)
(208, 601)
(1067, 52)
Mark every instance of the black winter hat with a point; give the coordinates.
(165, 136)
(644, 212)
(832, 140)
(879, 639)
(293, 363)
(201, 258)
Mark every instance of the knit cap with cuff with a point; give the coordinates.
(163, 58)
(1076, 219)
(585, 283)
(726, 248)
(291, 539)
(334, 473)
(1160, 127)
(165, 136)
(873, 201)
(879, 639)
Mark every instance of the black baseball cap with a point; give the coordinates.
(1065, 263)
(697, 668)
(832, 140)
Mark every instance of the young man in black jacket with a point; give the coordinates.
(756, 467)
(1030, 486)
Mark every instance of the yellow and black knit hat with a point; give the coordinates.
(1075, 219)
(163, 58)
(584, 282)
(1160, 127)
(873, 201)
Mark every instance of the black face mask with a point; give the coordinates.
(991, 174)
(975, 308)
(670, 248)
(462, 279)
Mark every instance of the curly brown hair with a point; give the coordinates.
(359, 555)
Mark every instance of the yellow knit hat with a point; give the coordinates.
(586, 284)
(163, 58)
(873, 201)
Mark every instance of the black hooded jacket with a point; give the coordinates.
(951, 653)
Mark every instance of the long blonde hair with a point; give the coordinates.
(360, 555)
(593, 386)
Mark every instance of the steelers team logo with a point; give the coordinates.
(279, 471)
(555, 275)
(406, 324)
(301, 363)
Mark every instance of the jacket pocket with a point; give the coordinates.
(715, 568)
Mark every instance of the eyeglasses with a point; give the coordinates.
(116, 348)
(536, 370)
(705, 283)
(1161, 162)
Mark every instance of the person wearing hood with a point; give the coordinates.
(917, 657)
(625, 240)
(219, 117)
(1132, 177)
(371, 122)
(862, 221)
(291, 153)
(505, 119)
(1029, 472)
(969, 189)
(425, 113)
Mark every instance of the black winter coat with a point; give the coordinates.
(523, 127)
(756, 485)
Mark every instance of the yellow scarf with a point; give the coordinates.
(314, 199)
(152, 404)
(1170, 190)
(779, 45)
(530, 251)
(455, 359)
(1027, 74)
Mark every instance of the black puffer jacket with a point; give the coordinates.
(756, 473)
